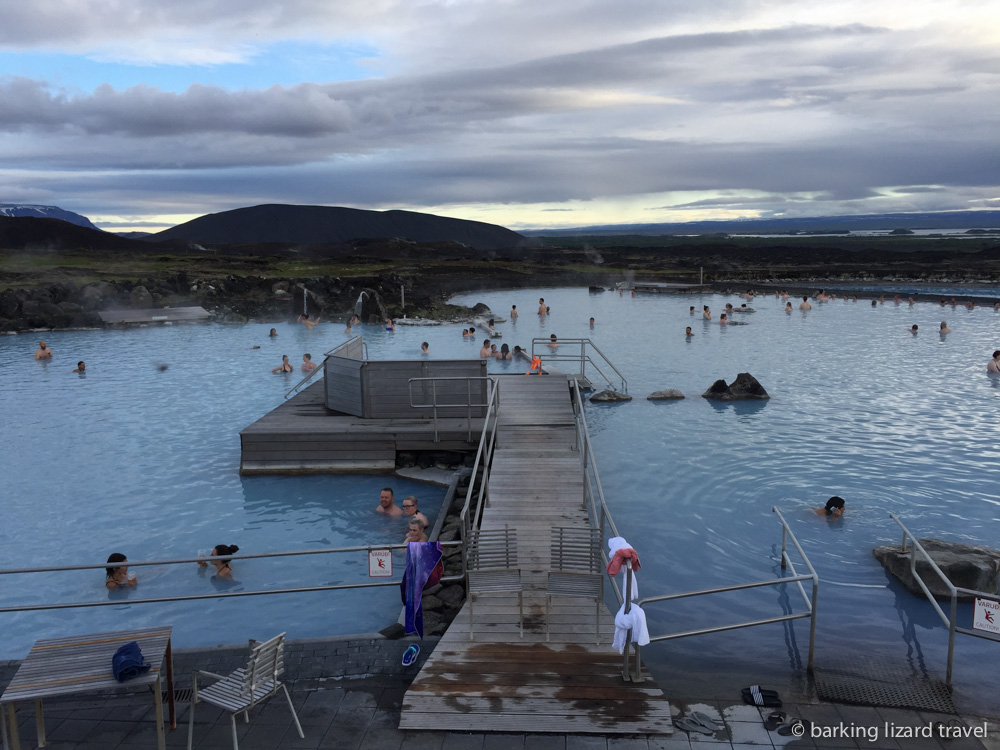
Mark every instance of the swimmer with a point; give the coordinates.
(688, 332)
(912, 302)
(874, 303)
(970, 305)
(722, 320)
(897, 299)
(307, 363)
(485, 351)
(410, 509)
(542, 309)
(285, 365)
(307, 321)
(386, 505)
(81, 366)
(493, 351)
(691, 310)
(118, 577)
(805, 303)
(833, 509)
(592, 320)
(944, 327)
(389, 325)
(993, 366)
(513, 312)
(996, 307)
(255, 346)
(43, 351)
(729, 308)
(553, 342)
(913, 329)
(355, 320)
(347, 330)
(415, 531)
(706, 313)
(788, 307)
(219, 558)
(505, 352)
(465, 333)
(425, 348)
(273, 333)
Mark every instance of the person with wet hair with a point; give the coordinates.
(833, 509)
(117, 577)
(219, 557)
(415, 531)
(993, 366)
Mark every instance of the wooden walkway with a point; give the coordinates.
(499, 682)
(303, 436)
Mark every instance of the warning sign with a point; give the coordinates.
(987, 616)
(379, 563)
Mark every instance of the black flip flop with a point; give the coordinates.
(774, 720)
(761, 698)
(795, 728)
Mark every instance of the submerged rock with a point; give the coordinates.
(967, 566)
(610, 396)
(668, 394)
(744, 387)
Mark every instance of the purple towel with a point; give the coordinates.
(421, 559)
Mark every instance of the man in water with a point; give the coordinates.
(944, 327)
(691, 310)
(542, 309)
(913, 329)
(307, 363)
(805, 303)
(43, 352)
(410, 509)
(687, 332)
(553, 342)
(425, 348)
(592, 321)
(484, 353)
(273, 333)
(513, 312)
(386, 505)
(722, 320)
(81, 366)
(994, 364)
(833, 509)
(308, 322)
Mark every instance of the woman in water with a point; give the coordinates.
(389, 325)
(285, 365)
(834, 508)
(505, 352)
(118, 577)
(415, 531)
(219, 557)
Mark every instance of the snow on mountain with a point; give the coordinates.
(45, 212)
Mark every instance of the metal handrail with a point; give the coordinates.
(484, 454)
(582, 358)
(435, 405)
(950, 621)
(364, 347)
(307, 378)
(217, 595)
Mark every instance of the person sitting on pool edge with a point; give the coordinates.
(834, 508)
(118, 577)
(415, 531)
(410, 509)
(386, 504)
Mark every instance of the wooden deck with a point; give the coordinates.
(302, 436)
(499, 682)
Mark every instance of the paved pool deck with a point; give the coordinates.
(348, 693)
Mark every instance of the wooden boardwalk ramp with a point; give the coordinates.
(498, 681)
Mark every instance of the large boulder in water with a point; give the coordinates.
(610, 397)
(967, 566)
(744, 387)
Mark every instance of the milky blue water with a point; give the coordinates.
(146, 462)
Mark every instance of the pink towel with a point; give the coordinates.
(621, 555)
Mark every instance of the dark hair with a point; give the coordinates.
(308, 356)
(223, 550)
(115, 557)
(834, 502)
(996, 353)
(517, 349)
(425, 345)
(387, 489)
(491, 321)
(504, 348)
(79, 363)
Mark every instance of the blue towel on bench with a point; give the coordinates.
(127, 663)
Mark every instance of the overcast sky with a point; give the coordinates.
(144, 113)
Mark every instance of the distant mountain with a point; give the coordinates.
(868, 222)
(308, 225)
(134, 235)
(26, 233)
(45, 212)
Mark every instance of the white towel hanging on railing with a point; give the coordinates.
(635, 620)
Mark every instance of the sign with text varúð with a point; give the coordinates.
(379, 563)
(987, 616)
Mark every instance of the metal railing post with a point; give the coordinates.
(628, 608)
(951, 637)
(784, 539)
(812, 624)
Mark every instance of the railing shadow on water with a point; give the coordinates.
(594, 502)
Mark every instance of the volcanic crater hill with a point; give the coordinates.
(309, 225)
(27, 233)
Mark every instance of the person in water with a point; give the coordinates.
(944, 327)
(219, 558)
(485, 351)
(43, 351)
(117, 577)
(993, 365)
(591, 322)
(389, 325)
(410, 509)
(81, 366)
(806, 305)
(308, 322)
(307, 363)
(386, 504)
(687, 332)
(505, 352)
(415, 531)
(913, 329)
(273, 333)
(834, 508)
(788, 307)
(542, 309)
(285, 365)
(706, 313)
(425, 348)
(553, 342)
(513, 311)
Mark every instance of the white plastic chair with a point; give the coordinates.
(245, 688)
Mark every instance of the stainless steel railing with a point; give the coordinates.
(469, 404)
(583, 358)
(470, 516)
(218, 595)
(950, 620)
(322, 366)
